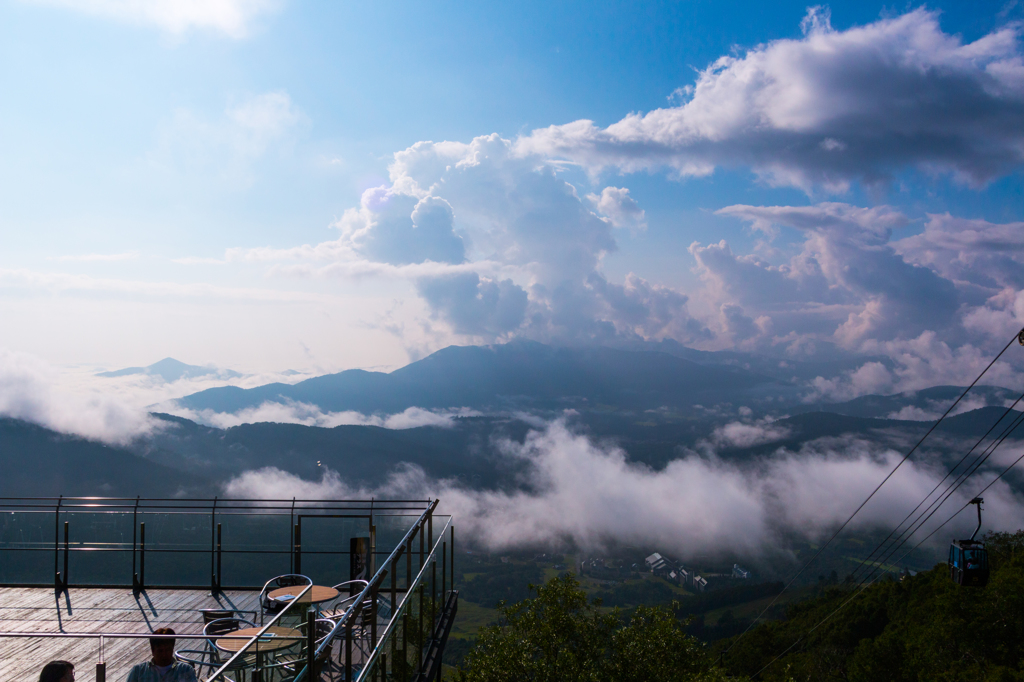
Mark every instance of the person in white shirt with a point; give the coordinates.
(162, 667)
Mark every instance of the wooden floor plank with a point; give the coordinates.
(93, 610)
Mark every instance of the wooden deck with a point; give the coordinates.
(96, 611)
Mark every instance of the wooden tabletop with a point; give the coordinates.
(316, 594)
(268, 642)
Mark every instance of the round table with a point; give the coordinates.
(315, 595)
(270, 641)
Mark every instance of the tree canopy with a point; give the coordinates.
(561, 636)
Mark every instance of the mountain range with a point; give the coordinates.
(652, 404)
(171, 370)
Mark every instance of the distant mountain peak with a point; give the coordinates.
(171, 370)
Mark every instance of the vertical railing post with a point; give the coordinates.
(297, 548)
(422, 559)
(356, 613)
(58, 581)
(405, 643)
(453, 557)
(430, 528)
(220, 557)
(374, 592)
(213, 547)
(444, 572)
(433, 596)
(142, 556)
(101, 666)
(394, 587)
(135, 528)
(291, 525)
(372, 563)
(65, 580)
(310, 644)
(419, 631)
(408, 569)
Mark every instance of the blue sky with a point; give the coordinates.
(162, 163)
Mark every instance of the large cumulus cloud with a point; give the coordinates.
(829, 108)
(496, 242)
(846, 271)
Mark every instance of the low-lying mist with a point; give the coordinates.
(589, 494)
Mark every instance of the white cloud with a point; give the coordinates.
(936, 408)
(292, 412)
(32, 390)
(847, 281)
(989, 255)
(919, 363)
(591, 494)
(231, 17)
(620, 208)
(829, 108)
(746, 434)
(497, 245)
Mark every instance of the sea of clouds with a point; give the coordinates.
(590, 494)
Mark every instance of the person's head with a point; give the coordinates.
(58, 671)
(163, 649)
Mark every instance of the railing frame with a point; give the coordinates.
(216, 508)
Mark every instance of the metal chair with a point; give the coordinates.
(210, 615)
(272, 606)
(213, 656)
(341, 604)
(223, 626)
(360, 626)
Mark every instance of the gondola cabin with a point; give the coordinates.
(968, 563)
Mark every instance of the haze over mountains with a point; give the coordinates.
(531, 441)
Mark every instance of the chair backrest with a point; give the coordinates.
(292, 579)
(222, 626)
(323, 628)
(210, 615)
(269, 605)
(353, 587)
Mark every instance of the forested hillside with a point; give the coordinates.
(923, 627)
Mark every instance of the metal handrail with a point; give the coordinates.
(377, 578)
(396, 612)
(125, 635)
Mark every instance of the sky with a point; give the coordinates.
(268, 185)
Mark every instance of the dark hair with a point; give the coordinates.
(161, 631)
(54, 671)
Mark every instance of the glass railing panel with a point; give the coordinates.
(254, 548)
(335, 549)
(27, 542)
(178, 548)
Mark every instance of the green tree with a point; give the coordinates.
(561, 636)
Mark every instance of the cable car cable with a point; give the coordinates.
(937, 485)
(953, 487)
(865, 583)
(972, 468)
(1016, 337)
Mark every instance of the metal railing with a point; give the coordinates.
(374, 620)
(112, 551)
(407, 619)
